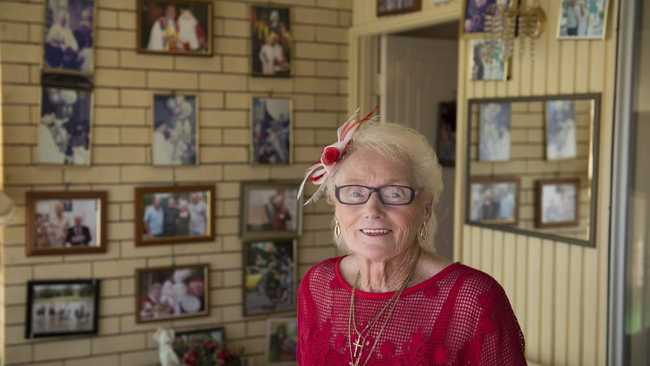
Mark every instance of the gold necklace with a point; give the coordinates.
(356, 356)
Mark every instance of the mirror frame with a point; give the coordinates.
(595, 145)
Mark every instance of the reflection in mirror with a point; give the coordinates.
(531, 165)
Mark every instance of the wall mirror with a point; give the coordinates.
(532, 166)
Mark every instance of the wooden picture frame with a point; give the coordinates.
(269, 262)
(274, 337)
(271, 41)
(392, 7)
(557, 202)
(494, 200)
(270, 210)
(50, 306)
(172, 222)
(175, 129)
(172, 292)
(69, 48)
(191, 34)
(57, 222)
(271, 130)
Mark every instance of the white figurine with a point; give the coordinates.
(165, 338)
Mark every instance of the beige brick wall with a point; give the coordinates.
(528, 161)
(121, 153)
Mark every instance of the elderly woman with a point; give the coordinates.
(390, 300)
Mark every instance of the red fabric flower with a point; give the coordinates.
(330, 155)
(209, 345)
(190, 358)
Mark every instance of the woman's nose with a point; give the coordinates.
(373, 208)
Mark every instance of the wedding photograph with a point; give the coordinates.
(561, 130)
(175, 130)
(494, 132)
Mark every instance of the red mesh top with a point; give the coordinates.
(460, 316)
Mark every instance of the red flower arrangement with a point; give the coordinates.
(204, 351)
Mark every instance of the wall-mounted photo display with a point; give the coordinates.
(494, 131)
(175, 129)
(175, 27)
(392, 7)
(270, 210)
(582, 19)
(271, 130)
(269, 276)
(69, 37)
(488, 60)
(494, 200)
(199, 345)
(476, 12)
(557, 202)
(281, 341)
(62, 308)
(170, 293)
(172, 215)
(561, 129)
(65, 222)
(64, 130)
(271, 41)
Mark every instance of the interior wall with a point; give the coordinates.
(121, 153)
(420, 73)
(558, 291)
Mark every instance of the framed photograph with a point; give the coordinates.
(269, 276)
(561, 130)
(494, 200)
(475, 13)
(193, 343)
(271, 130)
(582, 19)
(270, 210)
(271, 41)
(175, 129)
(391, 7)
(68, 41)
(70, 222)
(281, 341)
(62, 308)
(557, 202)
(172, 215)
(170, 293)
(64, 128)
(494, 131)
(446, 134)
(175, 27)
(488, 60)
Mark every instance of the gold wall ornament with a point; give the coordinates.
(508, 22)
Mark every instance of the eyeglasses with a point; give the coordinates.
(393, 195)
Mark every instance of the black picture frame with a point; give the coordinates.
(61, 312)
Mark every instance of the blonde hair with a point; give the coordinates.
(397, 143)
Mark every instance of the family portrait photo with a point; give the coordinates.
(69, 36)
(199, 346)
(388, 7)
(281, 341)
(494, 131)
(270, 209)
(488, 60)
(269, 276)
(175, 129)
(167, 293)
(64, 128)
(180, 27)
(494, 200)
(476, 12)
(271, 122)
(561, 130)
(582, 19)
(65, 222)
(271, 42)
(557, 202)
(62, 307)
(174, 214)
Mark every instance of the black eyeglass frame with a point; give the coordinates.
(337, 190)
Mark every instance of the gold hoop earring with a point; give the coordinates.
(422, 234)
(337, 229)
